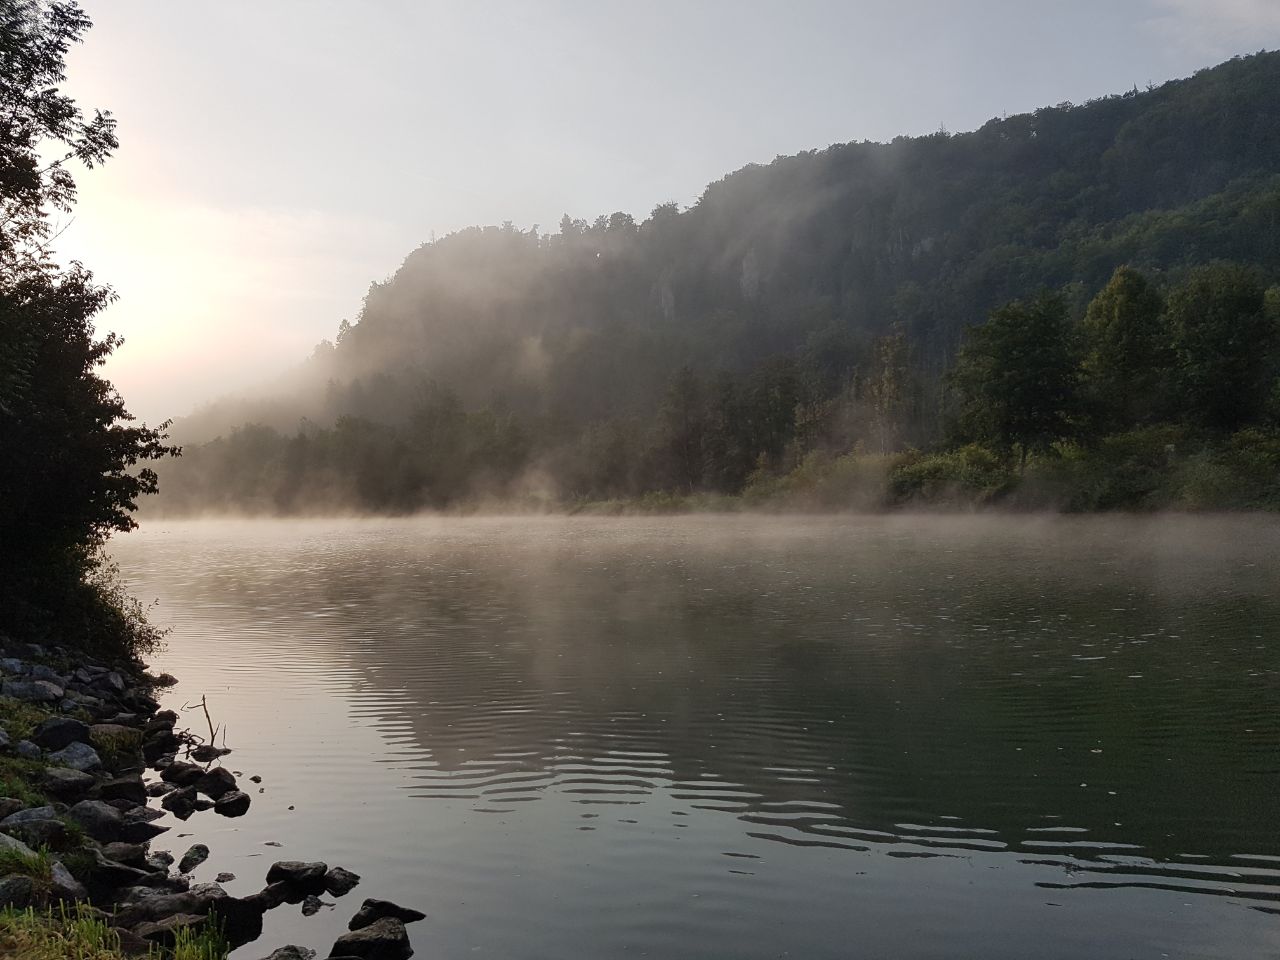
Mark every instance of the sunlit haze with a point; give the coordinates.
(276, 158)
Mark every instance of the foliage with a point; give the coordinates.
(68, 473)
(970, 476)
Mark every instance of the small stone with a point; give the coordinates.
(373, 910)
(195, 856)
(311, 905)
(206, 753)
(256, 779)
(77, 756)
(384, 939)
(338, 882)
(162, 857)
(224, 878)
(233, 804)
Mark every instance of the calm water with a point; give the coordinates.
(746, 738)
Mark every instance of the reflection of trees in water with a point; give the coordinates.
(968, 692)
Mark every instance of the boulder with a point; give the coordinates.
(77, 756)
(37, 691)
(27, 750)
(40, 671)
(116, 874)
(66, 783)
(124, 788)
(384, 939)
(240, 919)
(63, 886)
(196, 855)
(216, 782)
(158, 788)
(130, 854)
(29, 814)
(153, 908)
(224, 878)
(100, 820)
(298, 873)
(58, 732)
(181, 803)
(16, 891)
(339, 882)
(372, 911)
(233, 804)
(182, 773)
(39, 833)
(140, 831)
(162, 858)
(165, 932)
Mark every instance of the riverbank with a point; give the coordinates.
(89, 766)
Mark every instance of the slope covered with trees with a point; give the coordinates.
(807, 310)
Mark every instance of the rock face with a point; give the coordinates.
(372, 911)
(298, 873)
(58, 732)
(384, 939)
(77, 756)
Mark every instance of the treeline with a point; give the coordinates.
(811, 306)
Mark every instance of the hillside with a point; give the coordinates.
(792, 286)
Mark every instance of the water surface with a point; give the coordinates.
(746, 737)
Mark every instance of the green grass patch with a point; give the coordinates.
(21, 780)
(80, 933)
(37, 865)
(20, 718)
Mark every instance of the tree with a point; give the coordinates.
(1223, 341)
(69, 448)
(1127, 354)
(1017, 378)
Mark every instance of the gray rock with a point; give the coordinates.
(27, 750)
(162, 857)
(64, 886)
(151, 907)
(298, 873)
(29, 814)
(165, 932)
(181, 803)
(42, 672)
(17, 846)
(16, 891)
(339, 882)
(39, 833)
(77, 756)
(112, 681)
(130, 854)
(216, 782)
(37, 691)
(124, 788)
(209, 891)
(140, 831)
(384, 939)
(195, 856)
(106, 870)
(100, 820)
(65, 782)
(290, 952)
(158, 788)
(13, 666)
(58, 732)
(233, 804)
(9, 805)
(372, 911)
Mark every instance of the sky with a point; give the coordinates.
(277, 157)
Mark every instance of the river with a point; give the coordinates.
(745, 737)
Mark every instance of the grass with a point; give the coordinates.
(79, 933)
(118, 750)
(20, 718)
(37, 865)
(20, 779)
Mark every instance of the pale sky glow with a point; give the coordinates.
(278, 156)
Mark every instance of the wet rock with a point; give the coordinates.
(384, 939)
(166, 716)
(100, 820)
(216, 782)
(16, 891)
(239, 918)
(224, 878)
(339, 882)
(160, 745)
(311, 905)
(130, 854)
(256, 779)
(58, 732)
(274, 894)
(181, 803)
(208, 891)
(66, 783)
(298, 873)
(233, 804)
(159, 788)
(291, 952)
(165, 932)
(161, 859)
(206, 753)
(36, 691)
(196, 855)
(27, 750)
(372, 911)
(39, 833)
(124, 788)
(182, 773)
(77, 756)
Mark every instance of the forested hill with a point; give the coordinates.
(800, 271)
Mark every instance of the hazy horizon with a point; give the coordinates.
(259, 190)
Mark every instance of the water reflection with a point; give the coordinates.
(647, 715)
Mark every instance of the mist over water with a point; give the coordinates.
(745, 736)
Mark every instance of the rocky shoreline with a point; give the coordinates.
(81, 744)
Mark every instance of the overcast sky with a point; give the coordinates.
(278, 155)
